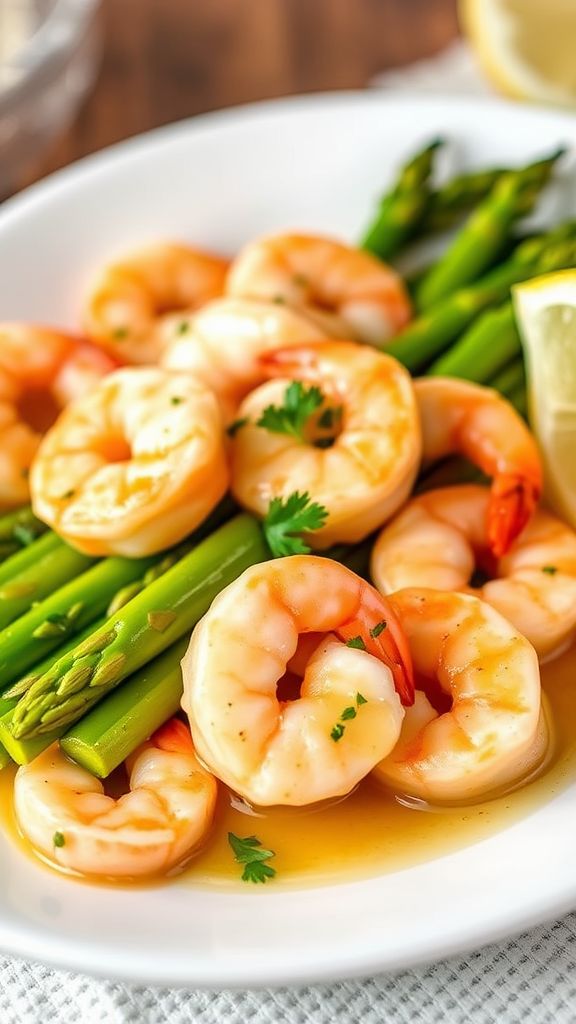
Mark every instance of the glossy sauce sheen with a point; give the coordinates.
(369, 832)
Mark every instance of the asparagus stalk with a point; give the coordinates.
(401, 210)
(48, 573)
(486, 231)
(5, 758)
(430, 334)
(24, 751)
(18, 529)
(459, 196)
(108, 734)
(510, 378)
(140, 631)
(488, 345)
(29, 556)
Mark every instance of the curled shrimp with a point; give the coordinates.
(277, 751)
(494, 733)
(366, 473)
(222, 344)
(342, 285)
(41, 371)
(135, 466)
(65, 814)
(127, 301)
(440, 538)
(465, 418)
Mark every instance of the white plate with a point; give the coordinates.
(315, 163)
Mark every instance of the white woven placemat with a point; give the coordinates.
(529, 979)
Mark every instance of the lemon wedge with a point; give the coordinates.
(546, 315)
(526, 47)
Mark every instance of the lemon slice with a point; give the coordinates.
(526, 47)
(546, 314)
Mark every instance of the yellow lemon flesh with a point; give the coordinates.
(546, 315)
(526, 47)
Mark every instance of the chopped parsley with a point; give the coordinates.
(350, 712)
(236, 425)
(378, 628)
(59, 839)
(287, 518)
(293, 415)
(551, 570)
(176, 400)
(250, 852)
(120, 333)
(356, 642)
(183, 327)
(67, 495)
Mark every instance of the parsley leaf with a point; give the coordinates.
(551, 570)
(347, 714)
(286, 518)
(360, 700)
(378, 628)
(356, 642)
(250, 852)
(337, 732)
(233, 428)
(291, 418)
(59, 839)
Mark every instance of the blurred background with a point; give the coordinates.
(77, 75)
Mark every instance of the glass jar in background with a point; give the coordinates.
(525, 47)
(49, 51)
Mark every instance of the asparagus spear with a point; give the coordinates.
(5, 758)
(489, 344)
(29, 556)
(109, 733)
(24, 751)
(427, 336)
(18, 529)
(510, 379)
(401, 210)
(48, 573)
(486, 231)
(459, 196)
(144, 628)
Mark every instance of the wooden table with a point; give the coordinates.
(169, 59)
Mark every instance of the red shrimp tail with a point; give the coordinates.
(382, 636)
(513, 499)
(173, 736)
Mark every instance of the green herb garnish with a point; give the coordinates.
(292, 416)
(287, 518)
(250, 852)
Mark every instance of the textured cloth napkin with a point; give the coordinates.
(529, 979)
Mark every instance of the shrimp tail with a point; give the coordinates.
(513, 499)
(378, 631)
(174, 736)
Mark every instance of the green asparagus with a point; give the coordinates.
(5, 758)
(510, 378)
(18, 529)
(29, 556)
(109, 733)
(144, 628)
(486, 231)
(489, 344)
(401, 210)
(430, 334)
(48, 574)
(458, 197)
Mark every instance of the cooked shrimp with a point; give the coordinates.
(135, 466)
(223, 343)
(65, 814)
(41, 370)
(440, 538)
(348, 713)
(459, 417)
(124, 309)
(337, 282)
(494, 733)
(368, 471)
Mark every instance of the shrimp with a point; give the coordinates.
(495, 732)
(368, 471)
(324, 276)
(135, 466)
(124, 309)
(477, 422)
(67, 817)
(41, 370)
(440, 538)
(222, 344)
(348, 713)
